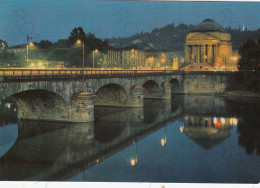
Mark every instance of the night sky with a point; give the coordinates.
(55, 19)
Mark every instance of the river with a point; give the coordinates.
(190, 139)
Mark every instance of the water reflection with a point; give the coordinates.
(48, 151)
(57, 151)
(207, 131)
(249, 125)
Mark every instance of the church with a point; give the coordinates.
(208, 47)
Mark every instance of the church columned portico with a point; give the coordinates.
(201, 53)
(207, 46)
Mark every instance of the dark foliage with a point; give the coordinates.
(249, 56)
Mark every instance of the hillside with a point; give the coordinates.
(172, 37)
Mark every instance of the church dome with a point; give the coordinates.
(208, 25)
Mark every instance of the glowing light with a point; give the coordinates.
(216, 122)
(31, 44)
(78, 41)
(181, 129)
(163, 142)
(8, 105)
(223, 121)
(234, 58)
(235, 121)
(32, 65)
(96, 51)
(40, 65)
(97, 160)
(133, 162)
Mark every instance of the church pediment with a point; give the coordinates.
(203, 37)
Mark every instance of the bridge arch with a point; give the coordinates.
(151, 89)
(175, 85)
(41, 105)
(111, 95)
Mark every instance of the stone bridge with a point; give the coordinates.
(68, 149)
(71, 98)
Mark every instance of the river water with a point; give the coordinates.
(190, 139)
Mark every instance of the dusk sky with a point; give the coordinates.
(55, 19)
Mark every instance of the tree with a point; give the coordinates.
(45, 44)
(249, 56)
(62, 43)
(76, 34)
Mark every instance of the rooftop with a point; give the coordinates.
(209, 25)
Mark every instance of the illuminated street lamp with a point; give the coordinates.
(27, 46)
(133, 161)
(94, 51)
(83, 54)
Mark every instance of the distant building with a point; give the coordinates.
(131, 58)
(208, 47)
(18, 49)
(175, 63)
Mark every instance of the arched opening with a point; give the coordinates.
(111, 95)
(41, 105)
(151, 90)
(175, 86)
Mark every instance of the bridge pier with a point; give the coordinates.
(166, 91)
(154, 91)
(136, 97)
(82, 107)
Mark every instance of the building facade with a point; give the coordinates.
(125, 58)
(208, 47)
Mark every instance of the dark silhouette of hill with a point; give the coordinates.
(171, 37)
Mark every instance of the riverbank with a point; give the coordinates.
(248, 94)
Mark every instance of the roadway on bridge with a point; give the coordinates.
(73, 71)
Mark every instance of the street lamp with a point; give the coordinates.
(94, 51)
(83, 54)
(27, 46)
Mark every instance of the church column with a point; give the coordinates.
(204, 54)
(217, 52)
(198, 56)
(214, 53)
(186, 54)
(192, 57)
(209, 54)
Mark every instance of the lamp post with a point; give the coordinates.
(83, 54)
(27, 45)
(94, 51)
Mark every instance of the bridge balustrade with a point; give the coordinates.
(48, 72)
